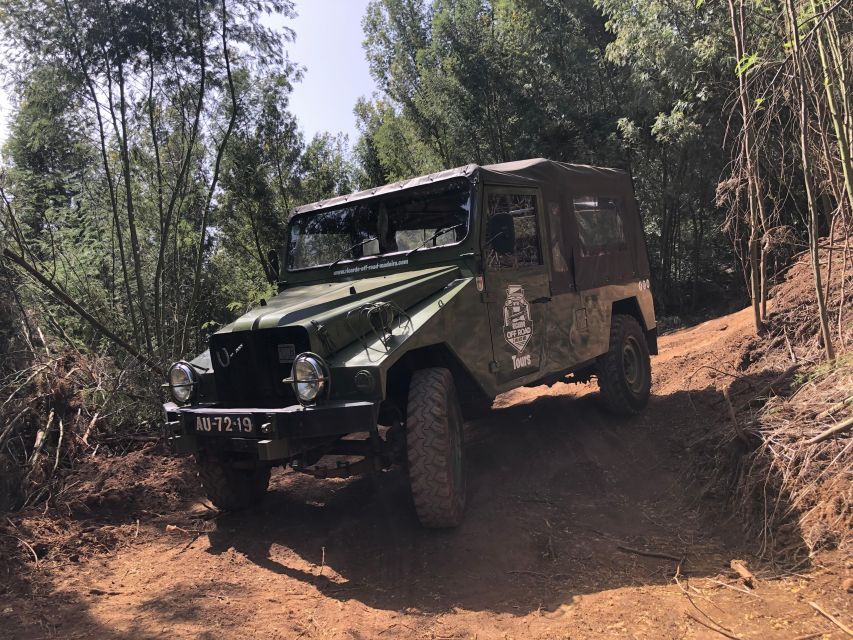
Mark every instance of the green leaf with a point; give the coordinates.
(746, 63)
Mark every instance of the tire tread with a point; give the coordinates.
(431, 414)
(614, 392)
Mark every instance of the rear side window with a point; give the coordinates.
(600, 225)
(522, 207)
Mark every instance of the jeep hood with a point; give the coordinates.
(332, 308)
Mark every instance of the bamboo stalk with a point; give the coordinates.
(826, 435)
(808, 177)
(830, 80)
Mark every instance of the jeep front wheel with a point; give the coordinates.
(434, 434)
(228, 487)
(625, 371)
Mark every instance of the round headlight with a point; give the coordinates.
(310, 378)
(182, 381)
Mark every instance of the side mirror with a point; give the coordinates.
(273, 268)
(501, 233)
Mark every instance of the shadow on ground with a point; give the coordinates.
(562, 499)
(556, 487)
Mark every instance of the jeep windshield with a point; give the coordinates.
(418, 219)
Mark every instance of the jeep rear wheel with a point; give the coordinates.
(230, 488)
(434, 434)
(625, 371)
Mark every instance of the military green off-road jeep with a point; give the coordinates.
(403, 311)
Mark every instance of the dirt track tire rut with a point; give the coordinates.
(434, 448)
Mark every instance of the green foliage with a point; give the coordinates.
(746, 63)
(473, 81)
(325, 169)
(636, 85)
(152, 161)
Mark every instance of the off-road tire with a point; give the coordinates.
(228, 488)
(625, 371)
(434, 437)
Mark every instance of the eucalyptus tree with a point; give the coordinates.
(636, 85)
(676, 59)
(150, 91)
(478, 81)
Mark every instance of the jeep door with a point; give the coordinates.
(517, 291)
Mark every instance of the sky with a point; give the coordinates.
(328, 45)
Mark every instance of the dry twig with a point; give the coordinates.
(26, 544)
(838, 406)
(745, 574)
(831, 618)
(648, 554)
(722, 632)
(770, 387)
(826, 435)
(733, 417)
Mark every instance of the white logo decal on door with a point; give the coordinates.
(518, 325)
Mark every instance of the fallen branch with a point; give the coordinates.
(12, 423)
(85, 438)
(524, 572)
(189, 532)
(58, 449)
(26, 544)
(41, 438)
(648, 554)
(831, 618)
(131, 438)
(746, 575)
(68, 301)
(790, 348)
(733, 417)
(733, 588)
(836, 407)
(174, 527)
(770, 386)
(826, 435)
(707, 626)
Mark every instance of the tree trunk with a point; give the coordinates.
(757, 215)
(799, 75)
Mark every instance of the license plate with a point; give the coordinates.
(224, 425)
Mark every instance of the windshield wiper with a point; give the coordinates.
(440, 232)
(350, 250)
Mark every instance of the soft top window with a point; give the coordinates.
(600, 225)
(422, 218)
(522, 209)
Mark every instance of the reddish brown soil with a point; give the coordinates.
(556, 487)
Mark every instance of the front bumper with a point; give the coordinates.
(285, 426)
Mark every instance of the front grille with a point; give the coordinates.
(249, 366)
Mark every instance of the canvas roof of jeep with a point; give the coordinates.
(560, 184)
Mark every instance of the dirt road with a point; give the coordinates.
(561, 500)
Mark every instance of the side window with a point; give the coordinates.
(558, 262)
(600, 226)
(522, 209)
